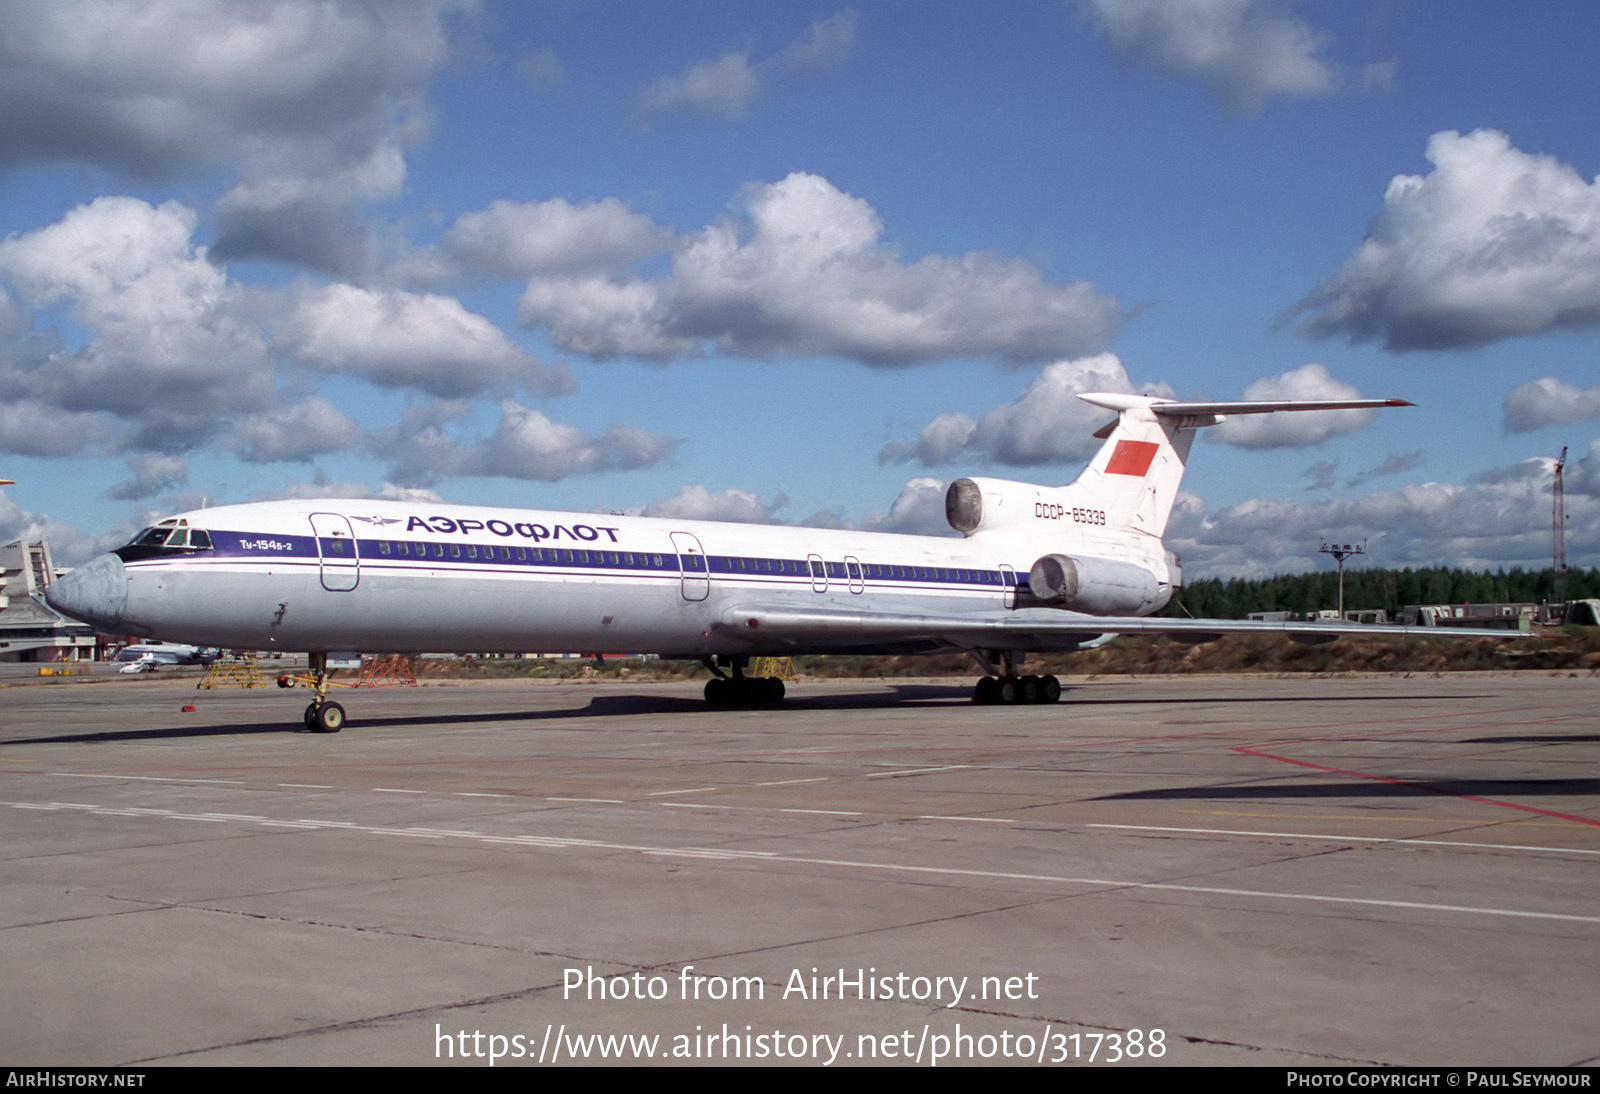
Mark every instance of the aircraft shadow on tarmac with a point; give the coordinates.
(797, 704)
(1369, 788)
(158, 734)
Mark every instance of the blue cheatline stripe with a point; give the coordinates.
(400, 553)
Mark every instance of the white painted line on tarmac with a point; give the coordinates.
(136, 778)
(1107, 886)
(918, 771)
(983, 820)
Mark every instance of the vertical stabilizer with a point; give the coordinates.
(1135, 475)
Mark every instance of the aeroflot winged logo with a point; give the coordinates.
(1131, 458)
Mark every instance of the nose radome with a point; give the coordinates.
(96, 592)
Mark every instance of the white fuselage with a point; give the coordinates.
(338, 575)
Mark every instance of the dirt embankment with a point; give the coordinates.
(1574, 650)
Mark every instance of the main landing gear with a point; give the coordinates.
(1011, 690)
(739, 690)
(322, 716)
(1005, 687)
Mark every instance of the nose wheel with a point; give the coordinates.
(322, 716)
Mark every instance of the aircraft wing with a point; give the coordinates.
(1039, 629)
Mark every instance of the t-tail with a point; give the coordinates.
(1097, 540)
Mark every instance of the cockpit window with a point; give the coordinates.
(170, 537)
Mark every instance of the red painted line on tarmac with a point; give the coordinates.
(1416, 786)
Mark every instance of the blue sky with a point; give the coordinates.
(802, 262)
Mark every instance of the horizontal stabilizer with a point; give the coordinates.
(1176, 408)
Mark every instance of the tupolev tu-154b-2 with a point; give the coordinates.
(1037, 568)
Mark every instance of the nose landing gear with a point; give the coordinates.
(322, 716)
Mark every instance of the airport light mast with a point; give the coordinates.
(1340, 552)
(1558, 520)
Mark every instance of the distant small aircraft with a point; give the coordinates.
(1038, 568)
(147, 657)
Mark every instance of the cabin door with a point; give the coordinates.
(336, 548)
(692, 565)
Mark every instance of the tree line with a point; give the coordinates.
(1236, 598)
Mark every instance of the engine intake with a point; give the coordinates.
(1099, 586)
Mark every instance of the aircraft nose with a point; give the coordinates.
(95, 593)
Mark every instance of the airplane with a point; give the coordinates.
(147, 657)
(1038, 568)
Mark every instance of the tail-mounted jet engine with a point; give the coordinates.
(971, 505)
(1098, 586)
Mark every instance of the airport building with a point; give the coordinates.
(31, 630)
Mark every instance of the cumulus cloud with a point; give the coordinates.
(802, 271)
(416, 340)
(152, 474)
(1493, 243)
(322, 488)
(542, 69)
(1548, 401)
(513, 239)
(1299, 430)
(310, 104)
(525, 444)
(1246, 50)
(171, 347)
(828, 43)
(695, 502)
(68, 545)
(918, 510)
(297, 433)
(1045, 424)
(1320, 475)
(1395, 463)
(725, 87)
(30, 427)
(172, 354)
(1501, 518)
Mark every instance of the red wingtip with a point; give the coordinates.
(1398, 402)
